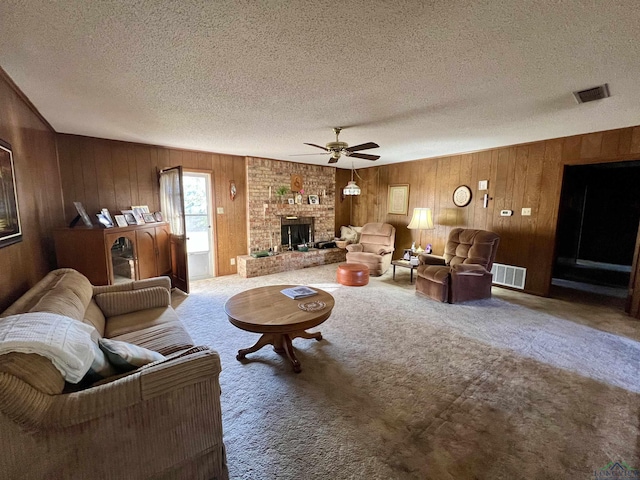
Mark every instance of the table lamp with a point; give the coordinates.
(421, 220)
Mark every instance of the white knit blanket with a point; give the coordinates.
(63, 340)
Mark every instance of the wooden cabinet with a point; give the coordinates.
(109, 255)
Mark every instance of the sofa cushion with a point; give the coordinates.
(63, 291)
(119, 303)
(33, 369)
(135, 321)
(165, 338)
(126, 356)
(94, 316)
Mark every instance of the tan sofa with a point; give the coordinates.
(162, 420)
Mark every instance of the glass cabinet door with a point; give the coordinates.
(123, 260)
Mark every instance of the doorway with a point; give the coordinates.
(198, 220)
(597, 228)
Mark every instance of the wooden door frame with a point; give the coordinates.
(214, 226)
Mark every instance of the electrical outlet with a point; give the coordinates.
(233, 261)
(220, 210)
(506, 213)
(526, 212)
(483, 184)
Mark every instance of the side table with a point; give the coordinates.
(405, 264)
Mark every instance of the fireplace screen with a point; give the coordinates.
(296, 230)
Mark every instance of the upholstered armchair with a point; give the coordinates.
(377, 241)
(464, 272)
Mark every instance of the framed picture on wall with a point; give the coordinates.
(10, 228)
(398, 203)
(314, 199)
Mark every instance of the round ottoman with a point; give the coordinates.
(353, 274)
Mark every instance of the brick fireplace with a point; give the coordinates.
(268, 215)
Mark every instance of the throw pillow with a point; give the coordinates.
(358, 232)
(347, 233)
(126, 356)
(100, 367)
(119, 303)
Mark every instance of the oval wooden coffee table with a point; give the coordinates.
(278, 318)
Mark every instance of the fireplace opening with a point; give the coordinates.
(296, 230)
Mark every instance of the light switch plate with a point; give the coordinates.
(483, 185)
(526, 212)
(233, 261)
(220, 210)
(506, 213)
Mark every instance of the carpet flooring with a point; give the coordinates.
(402, 387)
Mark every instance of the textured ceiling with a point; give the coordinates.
(259, 78)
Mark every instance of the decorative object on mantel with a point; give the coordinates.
(291, 201)
(351, 188)
(398, 199)
(232, 190)
(314, 199)
(421, 220)
(299, 196)
(281, 191)
(260, 253)
(296, 182)
(462, 196)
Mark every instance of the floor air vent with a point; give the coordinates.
(509, 275)
(591, 94)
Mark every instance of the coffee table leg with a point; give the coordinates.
(303, 334)
(266, 339)
(288, 348)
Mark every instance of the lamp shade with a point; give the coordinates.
(351, 189)
(421, 220)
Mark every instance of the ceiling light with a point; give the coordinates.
(351, 188)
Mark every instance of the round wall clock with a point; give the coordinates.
(462, 196)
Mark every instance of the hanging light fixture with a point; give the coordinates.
(351, 188)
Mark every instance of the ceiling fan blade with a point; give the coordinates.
(317, 146)
(333, 160)
(364, 156)
(362, 146)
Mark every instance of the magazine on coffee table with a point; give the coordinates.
(298, 292)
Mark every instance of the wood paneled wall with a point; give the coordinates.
(115, 175)
(343, 204)
(527, 175)
(38, 184)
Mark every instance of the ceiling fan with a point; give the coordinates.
(338, 148)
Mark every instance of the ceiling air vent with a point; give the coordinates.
(591, 94)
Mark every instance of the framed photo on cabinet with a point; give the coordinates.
(121, 221)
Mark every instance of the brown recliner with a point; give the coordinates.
(377, 241)
(464, 272)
